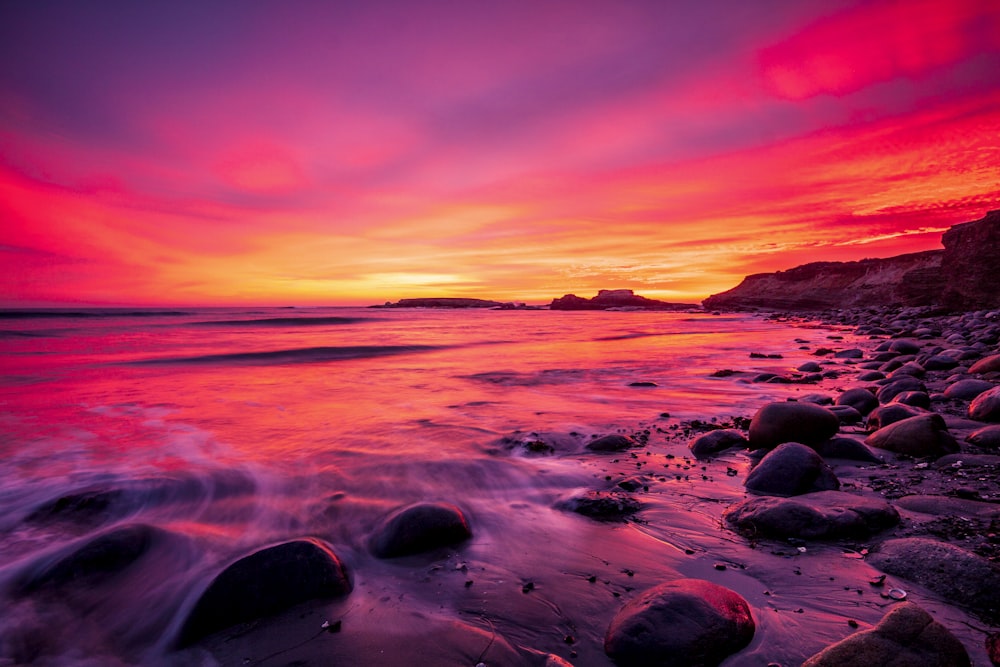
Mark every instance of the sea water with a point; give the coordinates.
(233, 429)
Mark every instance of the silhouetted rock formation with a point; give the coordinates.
(963, 276)
(442, 302)
(608, 299)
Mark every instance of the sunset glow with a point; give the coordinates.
(353, 153)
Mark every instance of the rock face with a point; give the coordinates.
(822, 515)
(418, 528)
(905, 636)
(780, 422)
(688, 622)
(912, 280)
(618, 298)
(963, 276)
(971, 263)
(791, 469)
(954, 573)
(265, 583)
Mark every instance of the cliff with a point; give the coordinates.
(623, 299)
(963, 276)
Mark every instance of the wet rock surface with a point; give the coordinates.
(923, 435)
(791, 469)
(821, 515)
(688, 622)
(906, 637)
(986, 406)
(714, 442)
(805, 423)
(418, 528)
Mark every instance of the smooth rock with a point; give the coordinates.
(820, 515)
(884, 415)
(611, 443)
(987, 437)
(904, 346)
(989, 364)
(905, 637)
(846, 414)
(897, 386)
(602, 505)
(418, 528)
(810, 367)
(858, 398)
(265, 583)
(986, 406)
(946, 505)
(714, 442)
(791, 469)
(682, 623)
(923, 435)
(967, 389)
(916, 399)
(950, 571)
(847, 448)
(780, 422)
(940, 362)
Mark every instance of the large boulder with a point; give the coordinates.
(987, 437)
(923, 435)
(847, 448)
(682, 623)
(967, 389)
(418, 528)
(791, 469)
(897, 386)
(905, 637)
(884, 415)
(986, 406)
(265, 583)
(821, 515)
(94, 562)
(950, 571)
(716, 441)
(611, 443)
(788, 421)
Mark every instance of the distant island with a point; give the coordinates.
(618, 299)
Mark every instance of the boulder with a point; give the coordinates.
(265, 583)
(989, 364)
(986, 406)
(847, 448)
(780, 422)
(905, 637)
(858, 398)
(418, 528)
(682, 623)
(987, 437)
(714, 442)
(846, 414)
(915, 399)
(884, 415)
(904, 346)
(923, 435)
(967, 389)
(602, 505)
(950, 571)
(819, 516)
(791, 469)
(897, 386)
(940, 362)
(93, 563)
(611, 443)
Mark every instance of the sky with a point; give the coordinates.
(339, 153)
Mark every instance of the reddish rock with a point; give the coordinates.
(971, 264)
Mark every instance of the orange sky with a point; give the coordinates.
(317, 153)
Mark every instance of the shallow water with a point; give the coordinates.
(234, 429)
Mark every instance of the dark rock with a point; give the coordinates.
(853, 353)
(95, 562)
(714, 442)
(847, 448)
(987, 437)
(618, 298)
(602, 505)
(418, 528)
(871, 376)
(821, 515)
(993, 647)
(897, 386)
(940, 362)
(989, 364)
(986, 406)
(971, 264)
(904, 346)
(265, 583)
(923, 435)
(810, 367)
(846, 414)
(780, 422)
(911, 368)
(946, 505)
(967, 389)
(87, 507)
(682, 623)
(444, 302)
(611, 443)
(950, 571)
(916, 399)
(905, 637)
(791, 469)
(860, 399)
(884, 415)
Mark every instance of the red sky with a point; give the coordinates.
(339, 153)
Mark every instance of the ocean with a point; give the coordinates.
(233, 429)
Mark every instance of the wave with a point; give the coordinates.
(304, 355)
(104, 312)
(284, 322)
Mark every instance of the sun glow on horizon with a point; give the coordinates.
(504, 153)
